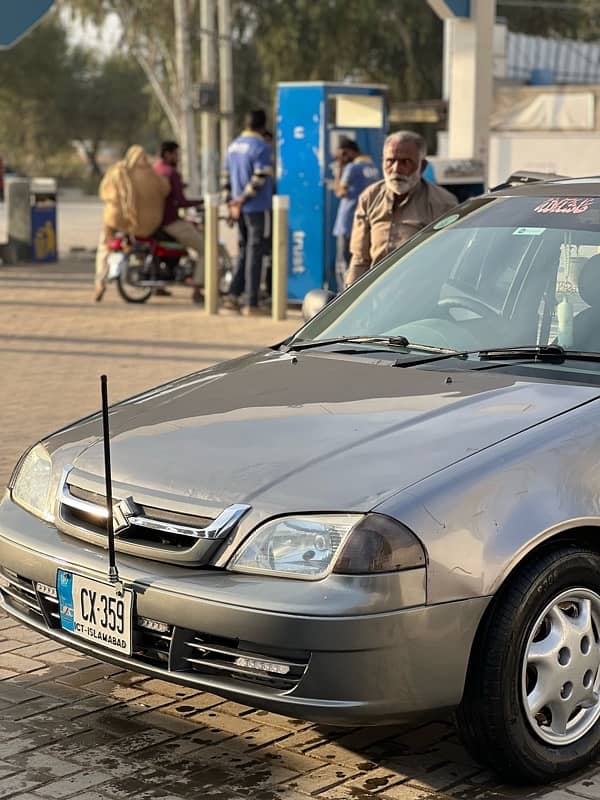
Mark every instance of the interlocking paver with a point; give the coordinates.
(224, 722)
(402, 791)
(74, 784)
(168, 689)
(324, 778)
(30, 708)
(18, 783)
(7, 769)
(34, 650)
(193, 704)
(44, 764)
(17, 694)
(587, 787)
(71, 726)
(15, 663)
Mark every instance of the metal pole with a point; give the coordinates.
(208, 119)
(225, 76)
(281, 205)
(186, 112)
(211, 253)
(447, 62)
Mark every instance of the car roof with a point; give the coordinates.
(565, 187)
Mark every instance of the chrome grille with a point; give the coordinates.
(177, 530)
(144, 530)
(211, 655)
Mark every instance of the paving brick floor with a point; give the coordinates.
(71, 727)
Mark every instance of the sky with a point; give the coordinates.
(104, 38)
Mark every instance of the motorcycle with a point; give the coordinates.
(142, 264)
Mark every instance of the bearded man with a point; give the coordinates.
(392, 210)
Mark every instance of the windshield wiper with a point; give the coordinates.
(548, 353)
(393, 341)
(398, 341)
(536, 352)
(540, 352)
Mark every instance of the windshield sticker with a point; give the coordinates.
(565, 205)
(528, 231)
(446, 221)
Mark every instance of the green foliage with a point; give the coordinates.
(398, 42)
(572, 19)
(53, 97)
(32, 76)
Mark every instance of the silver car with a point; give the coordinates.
(394, 511)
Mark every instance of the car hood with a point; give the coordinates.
(314, 431)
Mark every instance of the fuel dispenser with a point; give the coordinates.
(311, 119)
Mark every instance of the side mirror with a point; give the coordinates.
(314, 301)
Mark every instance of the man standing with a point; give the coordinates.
(184, 232)
(249, 179)
(392, 210)
(354, 172)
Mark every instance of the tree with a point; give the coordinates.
(106, 101)
(52, 96)
(148, 35)
(32, 76)
(333, 40)
(564, 19)
(290, 40)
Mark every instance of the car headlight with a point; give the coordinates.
(313, 545)
(31, 486)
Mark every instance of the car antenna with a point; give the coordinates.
(113, 575)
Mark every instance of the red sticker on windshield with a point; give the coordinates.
(565, 205)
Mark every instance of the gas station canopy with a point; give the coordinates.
(451, 9)
(17, 18)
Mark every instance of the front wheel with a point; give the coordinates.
(531, 707)
(128, 286)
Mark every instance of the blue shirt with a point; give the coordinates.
(249, 157)
(356, 176)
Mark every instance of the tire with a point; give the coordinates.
(532, 644)
(128, 290)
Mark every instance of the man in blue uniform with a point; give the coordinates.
(353, 173)
(249, 181)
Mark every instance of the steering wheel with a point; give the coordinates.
(470, 304)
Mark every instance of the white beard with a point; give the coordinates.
(404, 184)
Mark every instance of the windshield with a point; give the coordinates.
(498, 272)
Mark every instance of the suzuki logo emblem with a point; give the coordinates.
(123, 512)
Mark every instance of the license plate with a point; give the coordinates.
(94, 611)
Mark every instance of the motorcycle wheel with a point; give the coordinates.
(128, 289)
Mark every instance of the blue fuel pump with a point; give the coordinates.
(311, 119)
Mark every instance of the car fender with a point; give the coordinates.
(479, 518)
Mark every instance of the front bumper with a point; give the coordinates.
(346, 668)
